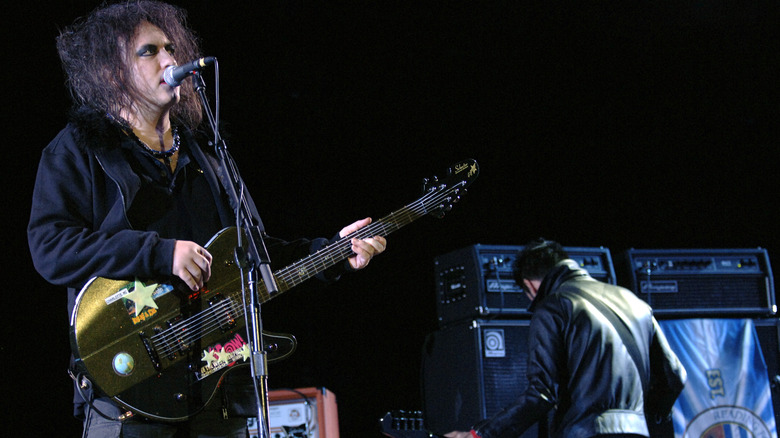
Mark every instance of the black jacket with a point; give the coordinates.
(79, 226)
(579, 365)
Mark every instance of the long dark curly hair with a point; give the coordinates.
(95, 59)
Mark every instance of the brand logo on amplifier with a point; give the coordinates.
(502, 286)
(495, 346)
(659, 286)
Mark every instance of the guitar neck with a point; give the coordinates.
(341, 249)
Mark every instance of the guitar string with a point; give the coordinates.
(343, 246)
(203, 323)
(195, 328)
(180, 334)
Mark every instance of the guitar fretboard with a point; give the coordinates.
(437, 198)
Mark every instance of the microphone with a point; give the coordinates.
(174, 75)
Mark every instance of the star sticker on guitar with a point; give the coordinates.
(208, 357)
(223, 356)
(245, 352)
(142, 296)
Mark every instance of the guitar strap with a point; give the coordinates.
(625, 335)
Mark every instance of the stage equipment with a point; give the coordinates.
(768, 331)
(301, 412)
(405, 424)
(476, 281)
(471, 370)
(702, 282)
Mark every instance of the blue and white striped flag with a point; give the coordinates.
(728, 393)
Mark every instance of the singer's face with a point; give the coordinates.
(150, 53)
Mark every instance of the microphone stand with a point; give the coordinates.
(254, 258)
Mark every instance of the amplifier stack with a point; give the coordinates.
(475, 363)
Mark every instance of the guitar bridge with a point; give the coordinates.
(224, 311)
(176, 337)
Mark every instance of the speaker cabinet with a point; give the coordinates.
(768, 331)
(472, 370)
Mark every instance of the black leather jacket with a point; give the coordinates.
(579, 365)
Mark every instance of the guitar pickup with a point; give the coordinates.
(155, 359)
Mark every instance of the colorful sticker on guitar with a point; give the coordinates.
(221, 356)
(141, 296)
(160, 290)
(138, 299)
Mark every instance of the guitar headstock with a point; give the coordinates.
(446, 192)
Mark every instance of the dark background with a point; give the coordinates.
(644, 124)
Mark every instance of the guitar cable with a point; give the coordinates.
(82, 383)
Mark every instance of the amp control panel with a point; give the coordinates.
(477, 281)
(702, 282)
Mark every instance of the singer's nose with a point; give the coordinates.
(166, 58)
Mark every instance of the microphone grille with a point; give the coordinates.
(169, 78)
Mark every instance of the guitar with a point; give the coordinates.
(405, 424)
(134, 337)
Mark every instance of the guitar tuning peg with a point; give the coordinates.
(444, 208)
(429, 184)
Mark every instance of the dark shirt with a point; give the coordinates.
(178, 204)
